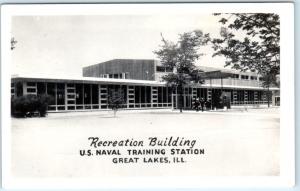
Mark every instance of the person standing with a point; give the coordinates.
(196, 104)
(202, 104)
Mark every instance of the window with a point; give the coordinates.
(244, 77)
(143, 94)
(168, 69)
(70, 85)
(95, 94)
(60, 94)
(126, 75)
(169, 94)
(79, 94)
(71, 90)
(71, 96)
(160, 69)
(235, 76)
(137, 94)
(164, 95)
(159, 94)
(148, 94)
(31, 90)
(116, 76)
(253, 78)
(31, 83)
(41, 88)
(87, 94)
(71, 101)
(51, 92)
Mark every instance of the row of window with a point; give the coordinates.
(90, 96)
(115, 76)
(245, 77)
(163, 69)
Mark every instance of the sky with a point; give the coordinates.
(62, 45)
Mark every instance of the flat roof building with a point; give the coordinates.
(142, 85)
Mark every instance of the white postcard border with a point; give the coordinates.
(287, 119)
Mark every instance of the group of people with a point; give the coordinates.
(199, 103)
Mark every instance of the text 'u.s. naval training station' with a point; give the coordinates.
(149, 150)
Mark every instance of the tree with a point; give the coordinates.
(181, 57)
(116, 99)
(258, 51)
(269, 79)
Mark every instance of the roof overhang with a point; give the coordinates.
(218, 74)
(91, 80)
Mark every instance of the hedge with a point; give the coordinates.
(28, 105)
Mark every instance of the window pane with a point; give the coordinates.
(51, 93)
(41, 88)
(95, 94)
(60, 94)
(79, 94)
(137, 94)
(159, 94)
(87, 94)
(143, 93)
(148, 94)
(164, 94)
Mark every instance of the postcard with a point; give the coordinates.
(168, 95)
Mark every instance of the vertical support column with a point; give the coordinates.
(154, 97)
(245, 97)
(70, 94)
(209, 92)
(103, 97)
(130, 97)
(194, 93)
(264, 97)
(255, 97)
(24, 85)
(172, 97)
(30, 89)
(209, 97)
(234, 96)
(12, 89)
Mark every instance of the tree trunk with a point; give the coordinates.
(181, 98)
(181, 102)
(115, 112)
(268, 96)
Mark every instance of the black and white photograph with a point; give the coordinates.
(170, 95)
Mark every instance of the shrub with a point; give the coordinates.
(27, 105)
(216, 100)
(116, 99)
